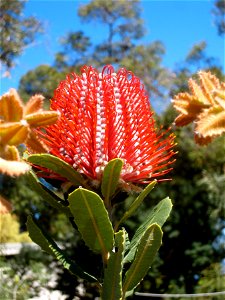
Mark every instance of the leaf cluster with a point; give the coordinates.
(91, 215)
(194, 236)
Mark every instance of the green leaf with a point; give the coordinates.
(58, 166)
(47, 195)
(159, 215)
(41, 238)
(112, 284)
(146, 251)
(111, 177)
(127, 241)
(92, 220)
(137, 202)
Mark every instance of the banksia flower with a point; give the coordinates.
(205, 106)
(16, 124)
(104, 116)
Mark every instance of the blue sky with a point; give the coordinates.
(179, 24)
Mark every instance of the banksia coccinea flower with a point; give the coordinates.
(107, 115)
(205, 106)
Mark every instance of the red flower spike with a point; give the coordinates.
(104, 116)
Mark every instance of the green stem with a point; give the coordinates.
(105, 260)
(116, 226)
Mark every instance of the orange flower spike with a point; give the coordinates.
(104, 116)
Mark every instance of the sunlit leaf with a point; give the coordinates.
(92, 220)
(159, 215)
(111, 177)
(112, 284)
(145, 254)
(58, 166)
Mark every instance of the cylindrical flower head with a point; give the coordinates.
(104, 116)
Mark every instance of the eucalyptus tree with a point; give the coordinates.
(219, 13)
(17, 31)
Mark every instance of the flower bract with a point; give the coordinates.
(17, 122)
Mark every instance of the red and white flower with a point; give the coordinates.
(107, 115)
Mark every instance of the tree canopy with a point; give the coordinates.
(17, 31)
(121, 47)
(219, 13)
(123, 21)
